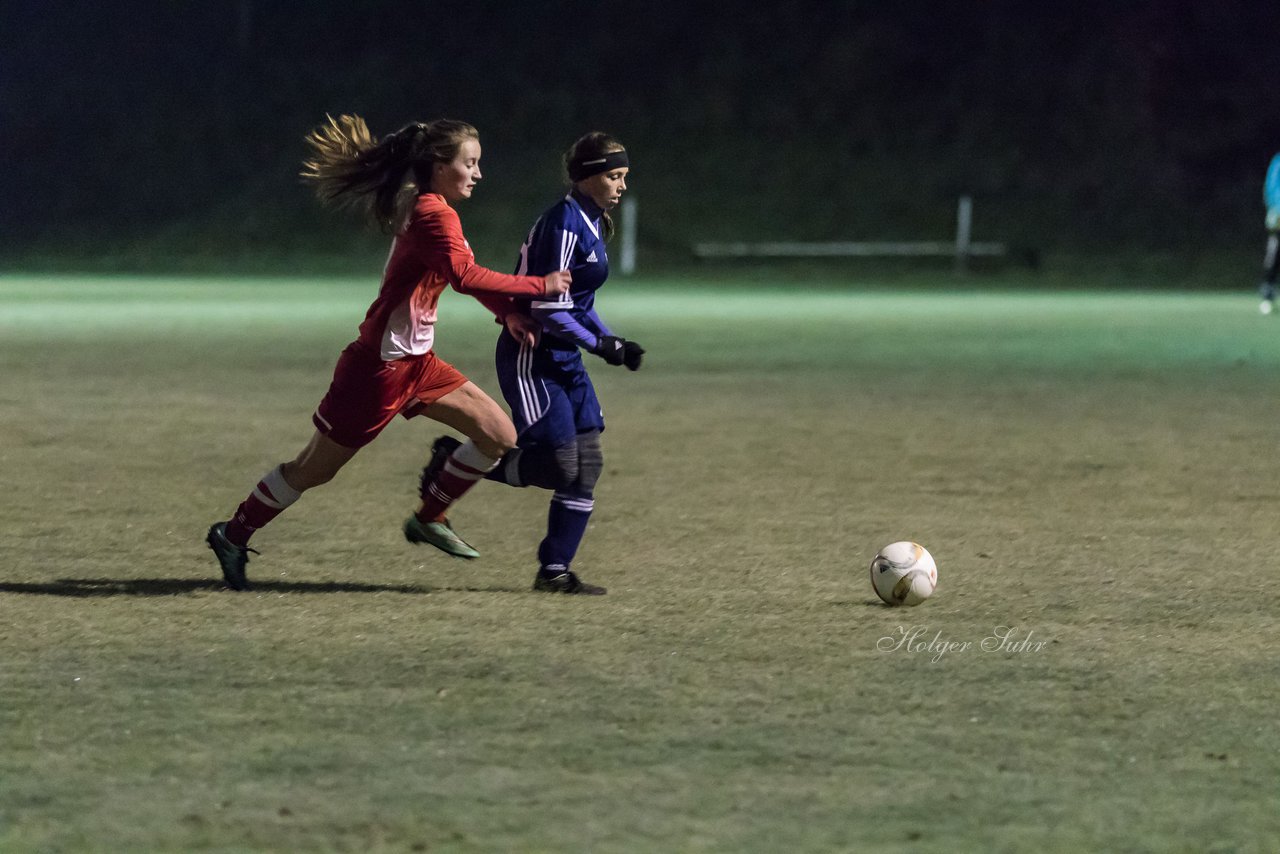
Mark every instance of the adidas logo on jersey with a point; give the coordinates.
(592, 259)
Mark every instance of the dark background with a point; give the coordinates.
(154, 133)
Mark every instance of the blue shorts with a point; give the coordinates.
(551, 397)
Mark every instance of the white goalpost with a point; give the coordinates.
(627, 252)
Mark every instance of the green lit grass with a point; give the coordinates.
(1097, 470)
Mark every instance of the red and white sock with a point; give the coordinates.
(465, 466)
(267, 501)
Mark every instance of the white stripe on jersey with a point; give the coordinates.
(530, 404)
(574, 502)
(543, 305)
(591, 225)
(568, 240)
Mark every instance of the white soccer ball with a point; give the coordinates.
(904, 573)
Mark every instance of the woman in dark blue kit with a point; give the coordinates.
(540, 366)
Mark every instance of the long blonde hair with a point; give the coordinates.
(350, 169)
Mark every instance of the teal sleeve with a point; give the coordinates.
(1271, 186)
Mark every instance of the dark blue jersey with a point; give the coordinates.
(568, 236)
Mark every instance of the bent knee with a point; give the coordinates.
(494, 440)
(564, 479)
(565, 466)
(590, 461)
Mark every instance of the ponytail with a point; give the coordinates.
(382, 178)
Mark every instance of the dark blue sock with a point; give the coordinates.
(566, 523)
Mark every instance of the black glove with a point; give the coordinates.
(631, 355)
(612, 349)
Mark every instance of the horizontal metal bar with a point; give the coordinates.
(843, 249)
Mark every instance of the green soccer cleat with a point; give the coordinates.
(438, 534)
(233, 558)
(558, 579)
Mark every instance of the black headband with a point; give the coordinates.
(582, 169)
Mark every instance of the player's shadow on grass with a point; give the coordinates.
(95, 587)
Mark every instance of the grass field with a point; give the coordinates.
(1095, 472)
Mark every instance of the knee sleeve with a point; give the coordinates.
(568, 466)
(590, 462)
(549, 468)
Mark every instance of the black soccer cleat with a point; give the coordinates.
(557, 579)
(440, 451)
(233, 558)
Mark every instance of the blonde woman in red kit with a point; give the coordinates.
(407, 182)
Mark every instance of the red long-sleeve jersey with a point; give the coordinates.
(428, 254)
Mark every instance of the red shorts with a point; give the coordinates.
(366, 393)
